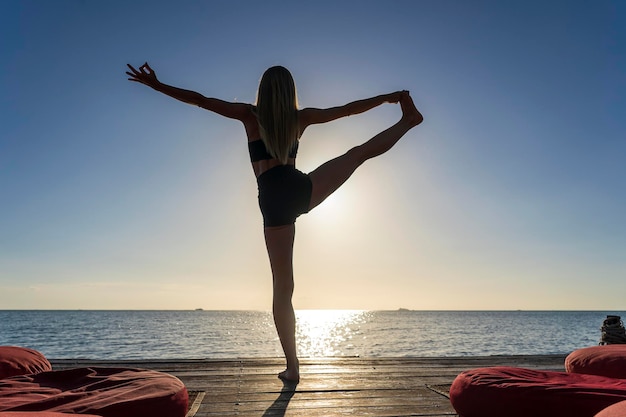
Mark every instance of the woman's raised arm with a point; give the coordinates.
(146, 75)
(310, 116)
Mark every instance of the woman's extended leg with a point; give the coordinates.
(331, 175)
(279, 242)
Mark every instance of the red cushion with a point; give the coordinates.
(517, 392)
(41, 414)
(616, 410)
(108, 392)
(607, 360)
(21, 361)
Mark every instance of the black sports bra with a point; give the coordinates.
(258, 151)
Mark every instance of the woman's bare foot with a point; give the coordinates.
(409, 112)
(290, 375)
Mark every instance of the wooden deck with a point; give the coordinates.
(329, 386)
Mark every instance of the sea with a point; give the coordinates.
(199, 334)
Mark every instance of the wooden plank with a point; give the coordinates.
(378, 387)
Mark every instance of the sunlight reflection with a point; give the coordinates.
(322, 333)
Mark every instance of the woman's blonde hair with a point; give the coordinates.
(277, 112)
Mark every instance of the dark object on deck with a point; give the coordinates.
(613, 331)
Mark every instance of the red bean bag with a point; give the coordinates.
(21, 361)
(108, 392)
(607, 360)
(41, 414)
(517, 392)
(616, 410)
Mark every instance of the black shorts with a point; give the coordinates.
(284, 194)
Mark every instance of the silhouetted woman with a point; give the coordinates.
(274, 126)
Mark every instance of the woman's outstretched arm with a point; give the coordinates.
(310, 116)
(146, 75)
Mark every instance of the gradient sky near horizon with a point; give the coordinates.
(511, 194)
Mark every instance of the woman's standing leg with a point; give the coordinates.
(331, 175)
(279, 242)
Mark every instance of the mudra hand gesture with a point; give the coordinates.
(145, 75)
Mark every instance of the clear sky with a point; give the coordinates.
(511, 194)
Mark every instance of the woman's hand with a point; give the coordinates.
(145, 75)
(395, 97)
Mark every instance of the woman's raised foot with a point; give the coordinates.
(410, 113)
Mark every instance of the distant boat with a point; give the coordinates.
(199, 309)
(403, 309)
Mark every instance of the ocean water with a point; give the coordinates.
(251, 334)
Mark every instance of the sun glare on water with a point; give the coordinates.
(323, 333)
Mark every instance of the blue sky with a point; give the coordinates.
(510, 195)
